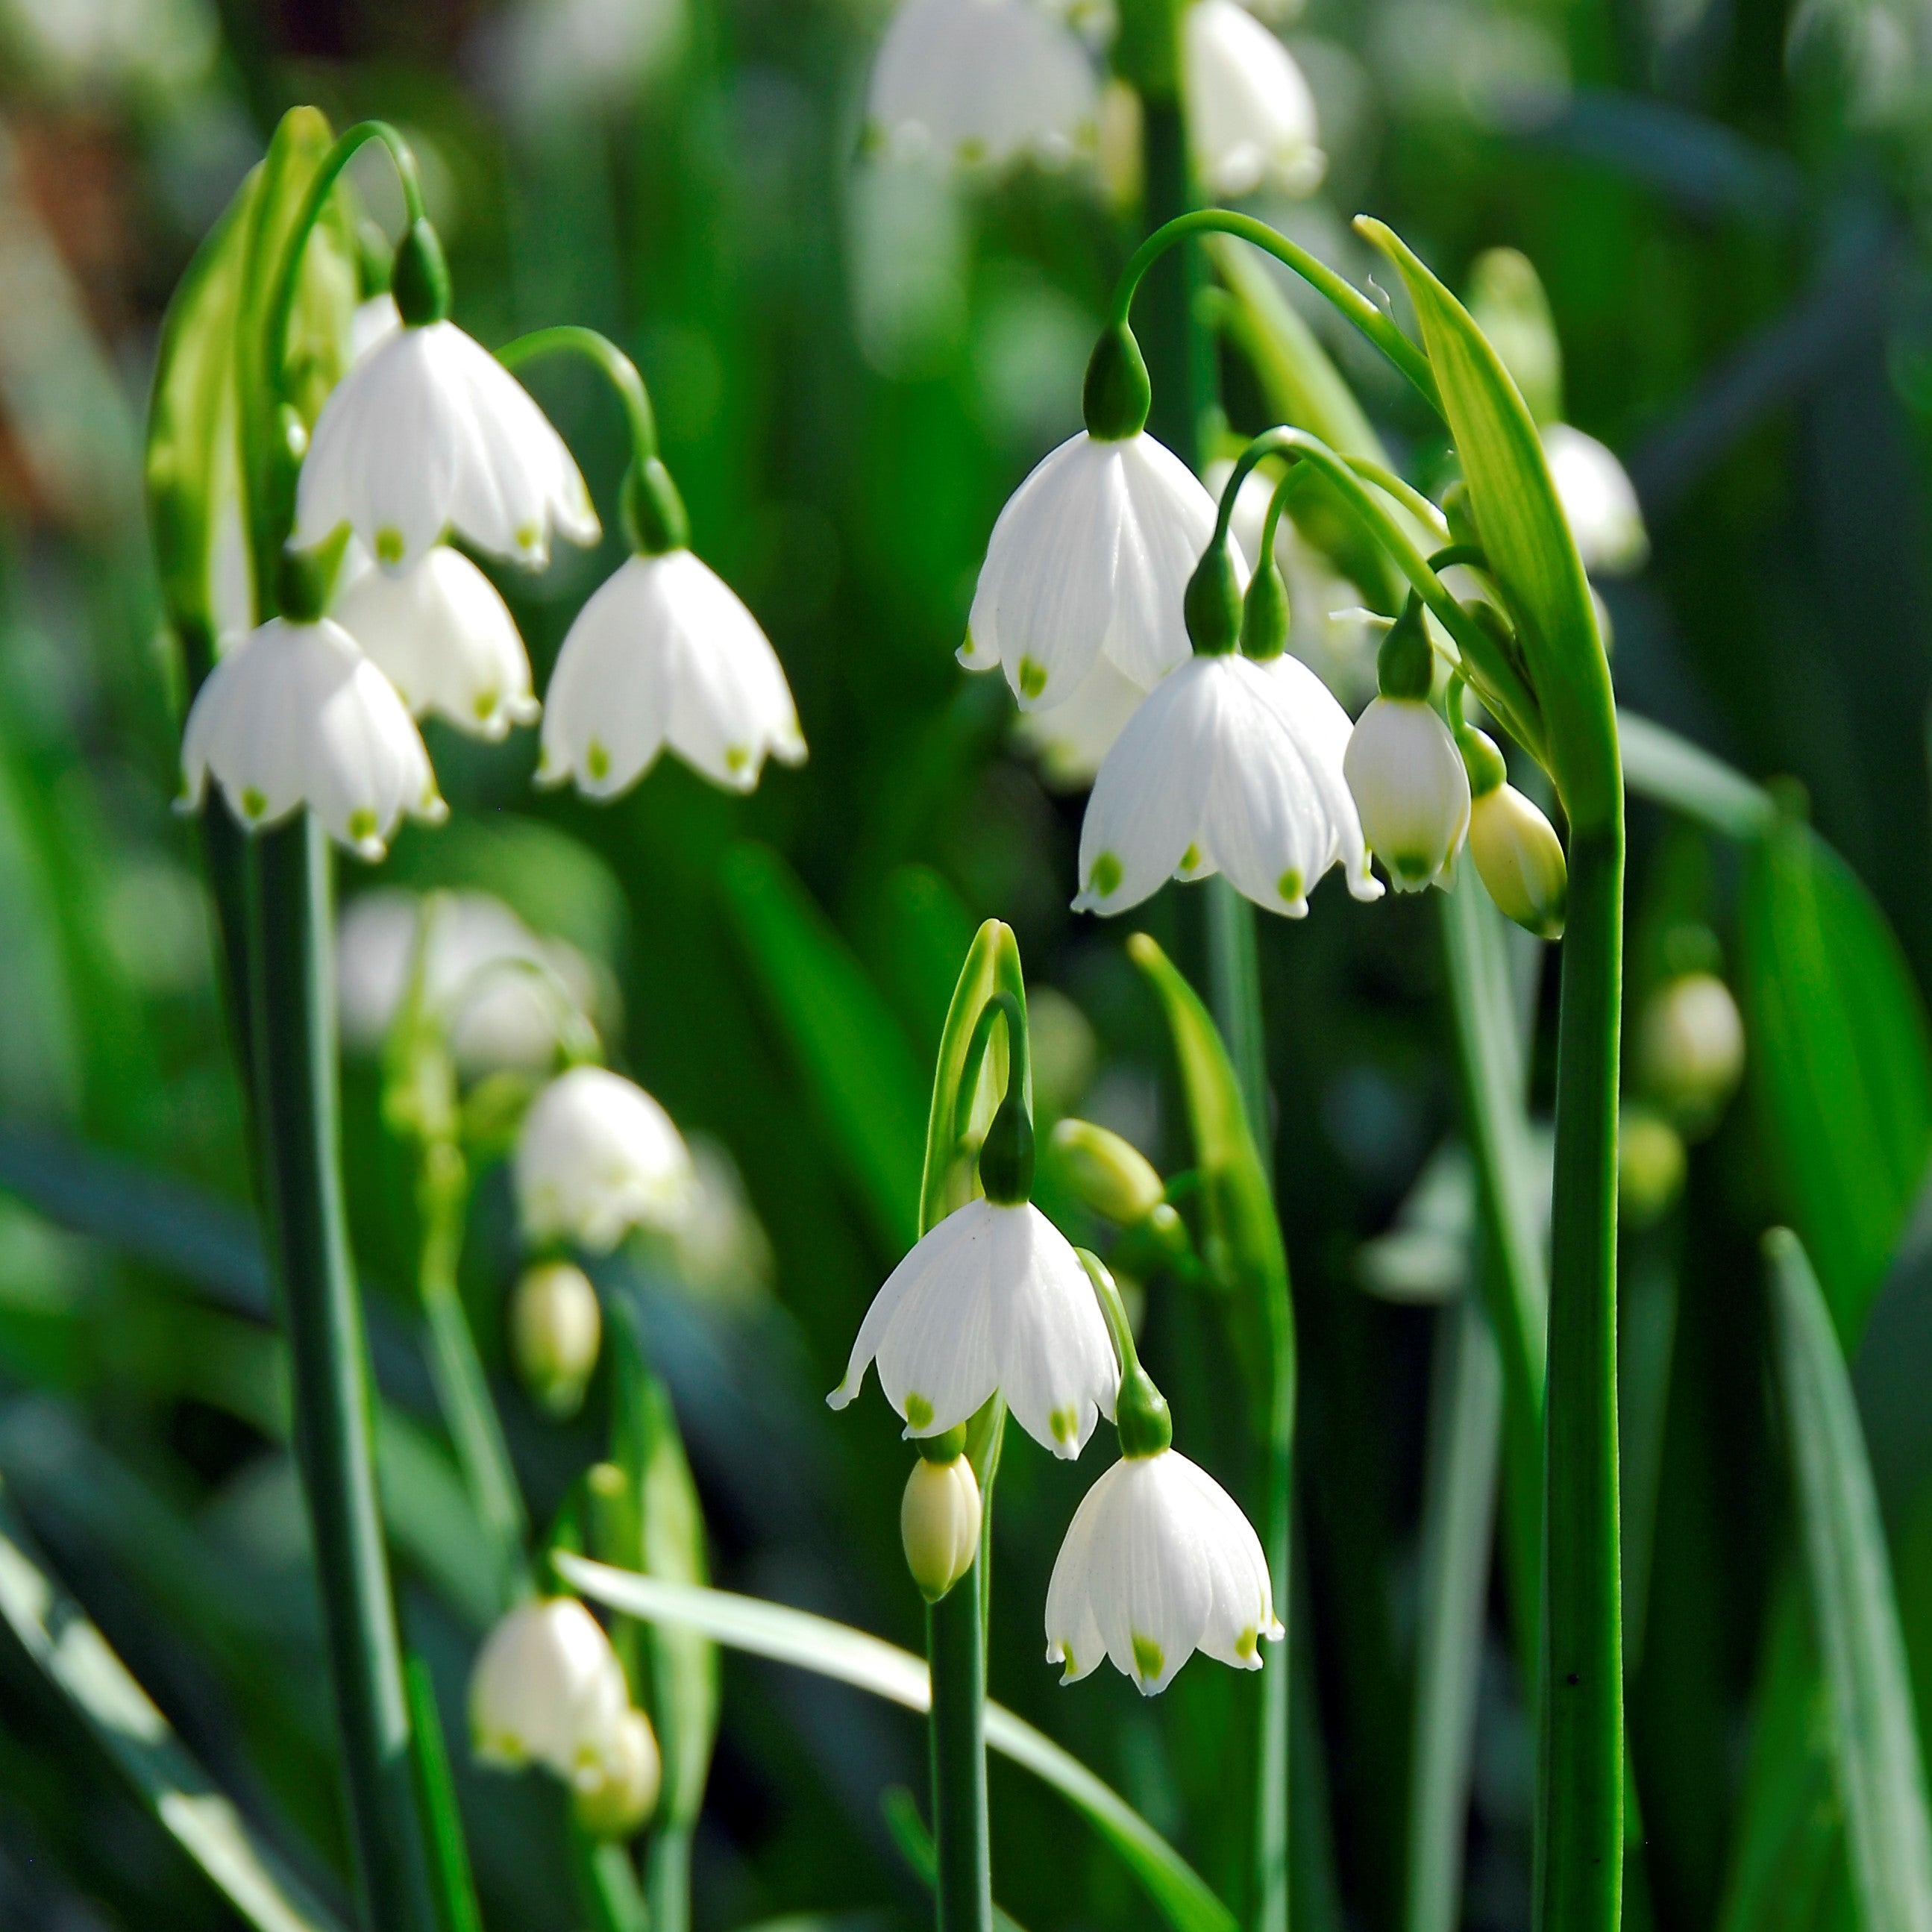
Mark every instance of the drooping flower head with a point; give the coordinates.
(548, 1689)
(1251, 113)
(596, 1157)
(295, 715)
(428, 433)
(980, 83)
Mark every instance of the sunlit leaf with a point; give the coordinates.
(835, 1650)
(76, 1659)
(1880, 1771)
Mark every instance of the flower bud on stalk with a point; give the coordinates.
(556, 1329)
(1691, 1049)
(1650, 1166)
(1515, 847)
(939, 1518)
(1110, 1174)
(621, 1802)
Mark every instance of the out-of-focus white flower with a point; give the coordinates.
(442, 635)
(939, 1524)
(721, 1246)
(1599, 502)
(1231, 767)
(556, 1331)
(428, 433)
(992, 1298)
(1072, 739)
(665, 654)
(374, 322)
(296, 715)
(618, 1801)
(1159, 1562)
(1251, 113)
(1090, 559)
(1691, 1048)
(980, 83)
(597, 1156)
(544, 58)
(548, 1689)
(483, 974)
(1410, 788)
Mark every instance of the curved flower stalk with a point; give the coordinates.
(440, 633)
(1251, 114)
(980, 84)
(1159, 1561)
(664, 653)
(596, 1157)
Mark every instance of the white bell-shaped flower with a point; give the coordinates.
(664, 653)
(374, 321)
(993, 1297)
(980, 83)
(1090, 559)
(1599, 502)
(295, 715)
(1231, 767)
(548, 1689)
(1250, 111)
(1071, 739)
(1411, 789)
(430, 433)
(1159, 1562)
(596, 1157)
(442, 635)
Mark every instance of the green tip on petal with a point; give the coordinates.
(1032, 677)
(1148, 1658)
(388, 544)
(1291, 886)
(1106, 875)
(596, 760)
(918, 1412)
(252, 803)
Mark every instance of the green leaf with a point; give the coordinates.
(1841, 1070)
(1660, 766)
(1527, 540)
(1880, 1774)
(852, 1057)
(70, 1653)
(948, 1178)
(452, 1888)
(836, 1650)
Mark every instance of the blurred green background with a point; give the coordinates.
(1726, 200)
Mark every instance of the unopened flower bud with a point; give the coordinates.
(1520, 858)
(1691, 1049)
(1650, 1166)
(1110, 1174)
(623, 1796)
(556, 1330)
(939, 1524)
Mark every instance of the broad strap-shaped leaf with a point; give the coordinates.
(1671, 771)
(849, 1051)
(1841, 1070)
(1527, 540)
(957, 1120)
(1880, 1772)
(836, 1650)
(70, 1653)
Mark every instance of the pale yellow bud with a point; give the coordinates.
(939, 1524)
(1650, 1166)
(1691, 1049)
(615, 1801)
(1110, 1174)
(556, 1330)
(1520, 858)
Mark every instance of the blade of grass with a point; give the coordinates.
(835, 1650)
(452, 1889)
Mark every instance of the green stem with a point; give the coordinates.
(667, 1878)
(1580, 1745)
(293, 1010)
(1235, 996)
(462, 1388)
(956, 1655)
(1373, 322)
(570, 339)
(607, 1881)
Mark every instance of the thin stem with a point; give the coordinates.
(349, 144)
(462, 1389)
(956, 1655)
(1429, 514)
(293, 1010)
(1373, 322)
(1580, 1746)
(604, 354)
(667, 1878)
(1234, 995)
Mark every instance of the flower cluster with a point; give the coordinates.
(429, 440)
